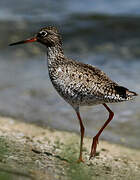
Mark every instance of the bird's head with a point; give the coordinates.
(48, 36)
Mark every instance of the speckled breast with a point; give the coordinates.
(71, 88)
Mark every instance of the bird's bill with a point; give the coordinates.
(34, 39)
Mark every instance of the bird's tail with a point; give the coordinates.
(130, 93)
(125, 93)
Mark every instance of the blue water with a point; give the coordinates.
(102, 33)
(47, 9)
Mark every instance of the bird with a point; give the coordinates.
(79, 84)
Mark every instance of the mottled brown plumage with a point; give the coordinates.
(78, 83)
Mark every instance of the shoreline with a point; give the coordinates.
(29, 152)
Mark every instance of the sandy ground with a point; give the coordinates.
(31, 152)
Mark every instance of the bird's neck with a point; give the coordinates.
(55, 53)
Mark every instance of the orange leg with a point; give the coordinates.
(95, 138)
(82, 130)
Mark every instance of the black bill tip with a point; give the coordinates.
(24, 41)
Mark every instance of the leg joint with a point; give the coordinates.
(112, 113)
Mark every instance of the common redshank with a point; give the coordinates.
(78, 83)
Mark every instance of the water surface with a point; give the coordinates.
(101, 33)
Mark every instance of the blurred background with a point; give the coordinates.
(102, 33)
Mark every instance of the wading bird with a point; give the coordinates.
(78, 83)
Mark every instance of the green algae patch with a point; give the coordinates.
(4, 147)
(75, 170)
(79, 171)
(6, 176)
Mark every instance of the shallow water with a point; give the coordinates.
(103, 34)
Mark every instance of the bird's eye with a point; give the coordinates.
(43, 33)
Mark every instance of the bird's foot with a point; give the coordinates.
(80, 160)
(93, 147)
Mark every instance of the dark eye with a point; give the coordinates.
(42, 33)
